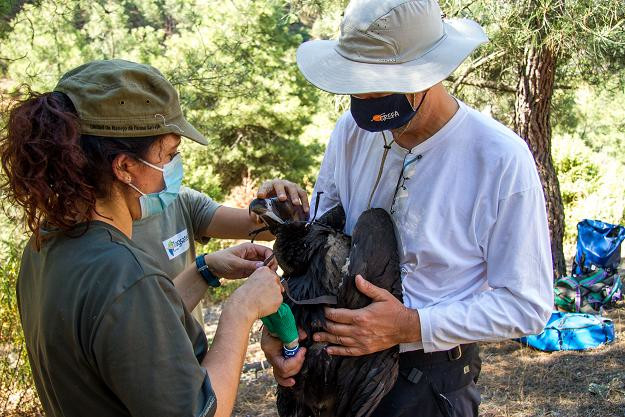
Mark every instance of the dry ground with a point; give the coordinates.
(516, 381)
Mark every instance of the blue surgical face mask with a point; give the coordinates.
(383, 113)
(156, 203)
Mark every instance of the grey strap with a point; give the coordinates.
(324, 299)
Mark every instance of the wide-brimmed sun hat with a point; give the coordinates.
(400, 46)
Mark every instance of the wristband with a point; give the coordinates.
(206, 273)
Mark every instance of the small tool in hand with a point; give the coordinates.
(266, 262)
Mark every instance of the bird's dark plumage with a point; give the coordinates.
(318, 260)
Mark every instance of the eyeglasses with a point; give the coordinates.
(400, 197)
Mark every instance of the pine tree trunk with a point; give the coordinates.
(532, 123)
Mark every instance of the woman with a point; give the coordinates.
(107, 332)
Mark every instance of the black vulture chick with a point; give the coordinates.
(320, 264)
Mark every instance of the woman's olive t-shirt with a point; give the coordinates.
(106, 331)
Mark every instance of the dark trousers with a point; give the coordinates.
(438, 384)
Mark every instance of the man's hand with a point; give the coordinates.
(283, 369)
(239, 261)
(384, 323)
(284, 189)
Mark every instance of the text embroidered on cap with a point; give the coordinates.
(177, 244)
(385, 116)
(126, 128)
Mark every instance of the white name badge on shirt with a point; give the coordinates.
(177, 244)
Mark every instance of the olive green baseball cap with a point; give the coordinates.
(117, 98)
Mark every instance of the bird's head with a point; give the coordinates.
(287, 223)
(276, 214)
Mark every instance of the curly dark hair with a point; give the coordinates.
(51, 171)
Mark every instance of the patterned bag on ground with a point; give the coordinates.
(588, 293)
(572, 331)
(598, 244)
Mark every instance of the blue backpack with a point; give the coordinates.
(572, 331)
(598, 244)
(594, 283)
(588, 293)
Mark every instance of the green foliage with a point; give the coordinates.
(268, 104)
(587, 37)
(590, 159)
(220, 294)
(602, 120)
(591, 184)
(578, 175)
(235, 71)
(8, 10)
(16, 386)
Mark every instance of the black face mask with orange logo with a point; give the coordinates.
(382, 113)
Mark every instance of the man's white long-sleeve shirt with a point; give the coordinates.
(470, 218)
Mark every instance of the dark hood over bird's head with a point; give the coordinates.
(287, 222)
(275, 213)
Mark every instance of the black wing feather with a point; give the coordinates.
(363, 381)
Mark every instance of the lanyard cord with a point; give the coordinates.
(387, 147)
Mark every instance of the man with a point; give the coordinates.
(464, 194)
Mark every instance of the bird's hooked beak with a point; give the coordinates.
(267, 210)
(274, 212)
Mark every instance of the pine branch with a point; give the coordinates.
(473, 66)
(491, 85)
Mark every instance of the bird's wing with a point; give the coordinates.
(362, 382)
(374, 255)
(286, 402)
(335, 218)
(312, 395)
(310, 318)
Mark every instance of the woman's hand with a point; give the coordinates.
(260, 295)
(284, 189)
(239, 261)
